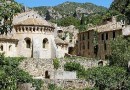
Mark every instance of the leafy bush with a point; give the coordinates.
(37, 83)
(53, 87)
(56, 63)
(108, 77)
(67, 21)
(73, 66)
(120, 52)
(11, 75)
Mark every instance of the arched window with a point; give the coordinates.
(10, 47)
(100, 63)
(28, 42)
(45, 43)
(47, 76)
(1, 47)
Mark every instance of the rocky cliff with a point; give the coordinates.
(68, 9)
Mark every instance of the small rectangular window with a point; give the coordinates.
(83, 37)
(88, 35)
(114, 34)
(106, 36)
(102, 36)
(88, 45)
(80, 37)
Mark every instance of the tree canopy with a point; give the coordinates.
(108, 78)
(7, 10)
(120, 52)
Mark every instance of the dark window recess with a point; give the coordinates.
(1, 48)
(96, 50)
(106, 36)
(47, 76)
(100, 63)
(83, 38)
(83, 46)
(106, 57)
(105, 46)
(88, 35)
(114, 34)
(28, 43)
(88, 45)
(102, 36)
(80, 37)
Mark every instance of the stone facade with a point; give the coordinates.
(94, 43)
(70, 35)
(44, 69)
(32, 36)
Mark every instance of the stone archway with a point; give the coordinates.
(47, 76)
(100, 63)
(71, 50)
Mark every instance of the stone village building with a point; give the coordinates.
(94, 43)
(32, 37)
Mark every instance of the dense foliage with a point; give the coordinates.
(120, 52)
(122, 7)
(73, 66)
(11, 75)
(7, 11)
(67, 21)
(110, 78)
(56, 63)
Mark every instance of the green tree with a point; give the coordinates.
(11, 75)
(108, 78)
(73, 66)
(7, 11)
(122, 7)
(120, 52)
(67, 21)
(56, 63)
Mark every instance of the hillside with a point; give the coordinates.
(68, 9)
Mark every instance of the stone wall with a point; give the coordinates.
(63, 84)
(40, 68)
(65, 75)
(85, 62)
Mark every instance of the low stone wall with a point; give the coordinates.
(76, 84)
(26, 86)
(86, 62)
(38, 67)
(41, 67)
(66, 75)
(69, 84)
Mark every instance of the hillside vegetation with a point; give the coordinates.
(68, 9)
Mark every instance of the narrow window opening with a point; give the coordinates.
(88, 35)
(114, 34)
(45, 43)
(28, 42)
(102, 36)
(1, 48)
(106, 36)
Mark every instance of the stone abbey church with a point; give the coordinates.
(33, 37)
